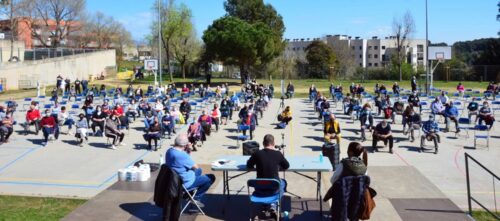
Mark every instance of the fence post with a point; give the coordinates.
(468, 183)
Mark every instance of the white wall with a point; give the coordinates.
(76, 66)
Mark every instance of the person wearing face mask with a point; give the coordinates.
(98, 120)
(366, 120)
(486, 115)
(414, 123)
(383, 133)
(168, 124)
(153, 134)
(48, 125)
(111, 131)
(82, 127)
(430, 129)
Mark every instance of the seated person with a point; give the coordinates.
(383, 133)
(366, 120)
(179, 160)
(387, 107)
(437, 107)
(290, 90)
(354, 165)
(414, 100)
(473, 108)
(153, 134)
(398, 108)
(206, 122)
(486, 115)
(98, 120)
(33, 117)
(82, 127)
(49, 127)
(444, 98)
(430, 129)
(63, 119)
(331, 130)
(268, 162)
(148, 120)
(111, 131)
(133, 109)
(406, 115)
(286, 115)
(6, 128)
(414, 123)
(195, 134)
(144, 107)
(451, 114)
(120, 114)
(168, 124)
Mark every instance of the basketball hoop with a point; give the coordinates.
(440, 57)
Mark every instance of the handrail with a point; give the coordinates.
(469, 197)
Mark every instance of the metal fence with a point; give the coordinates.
(45, 53)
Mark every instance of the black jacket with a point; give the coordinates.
(168, 193)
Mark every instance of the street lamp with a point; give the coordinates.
(159, 41)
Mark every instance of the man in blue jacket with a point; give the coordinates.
(451, 113)
(430, 129)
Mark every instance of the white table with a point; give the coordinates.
(298, 165)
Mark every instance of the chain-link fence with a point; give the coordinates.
(45, 53)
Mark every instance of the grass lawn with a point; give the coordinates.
(301, 86)
(480, 215)
(34, 208)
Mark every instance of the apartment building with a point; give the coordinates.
(368, 53)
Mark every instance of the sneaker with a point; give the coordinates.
(70, 133)
(421, 150)
(81, 144)
(113, 147)
(390, 151)
(122, 144)
(436, 151)
(44, 144)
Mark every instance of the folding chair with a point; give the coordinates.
(190, 193)
(27, 103)
(266, 192)
(242, 137)
(74, 109)
(482, 132)
(495, 107)
(464, 125)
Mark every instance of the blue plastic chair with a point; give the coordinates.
(464, 125)
(242, 137)
(482, 132)
(266, 192)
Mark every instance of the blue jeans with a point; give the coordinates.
(202, 182)
(69, 122)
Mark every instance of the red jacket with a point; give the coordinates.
(48, 121)
(33, 114)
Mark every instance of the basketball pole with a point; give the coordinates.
(426, 50)
(159, 43)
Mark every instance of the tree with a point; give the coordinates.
(11, 9)
(321, 59)
(186, 51)
(236, 42)
(402, 29)
(122, 38)
(59, 17)
(101, 29)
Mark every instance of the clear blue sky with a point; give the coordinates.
(449, 20)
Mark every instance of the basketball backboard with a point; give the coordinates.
(151, 65)
(440, 53)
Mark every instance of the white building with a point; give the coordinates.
(368, 53)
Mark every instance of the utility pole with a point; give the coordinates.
(426, 50)
(159, 42)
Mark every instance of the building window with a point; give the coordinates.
(360, 47)
(420, 48)
(360, 56)
(375, 64)
(383, 47)
(383, 57)
(369, 56)
(361, 64)
(375, 55)
(369, 47)
(369, 64)
(353, 48)
(375, 47)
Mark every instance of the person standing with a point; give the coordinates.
(413, 84)
(77, 86)
(268, 162)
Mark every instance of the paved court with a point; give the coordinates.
(404, 178)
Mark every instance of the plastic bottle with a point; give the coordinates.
(162, 160)
(321, 157)
(285, 216)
